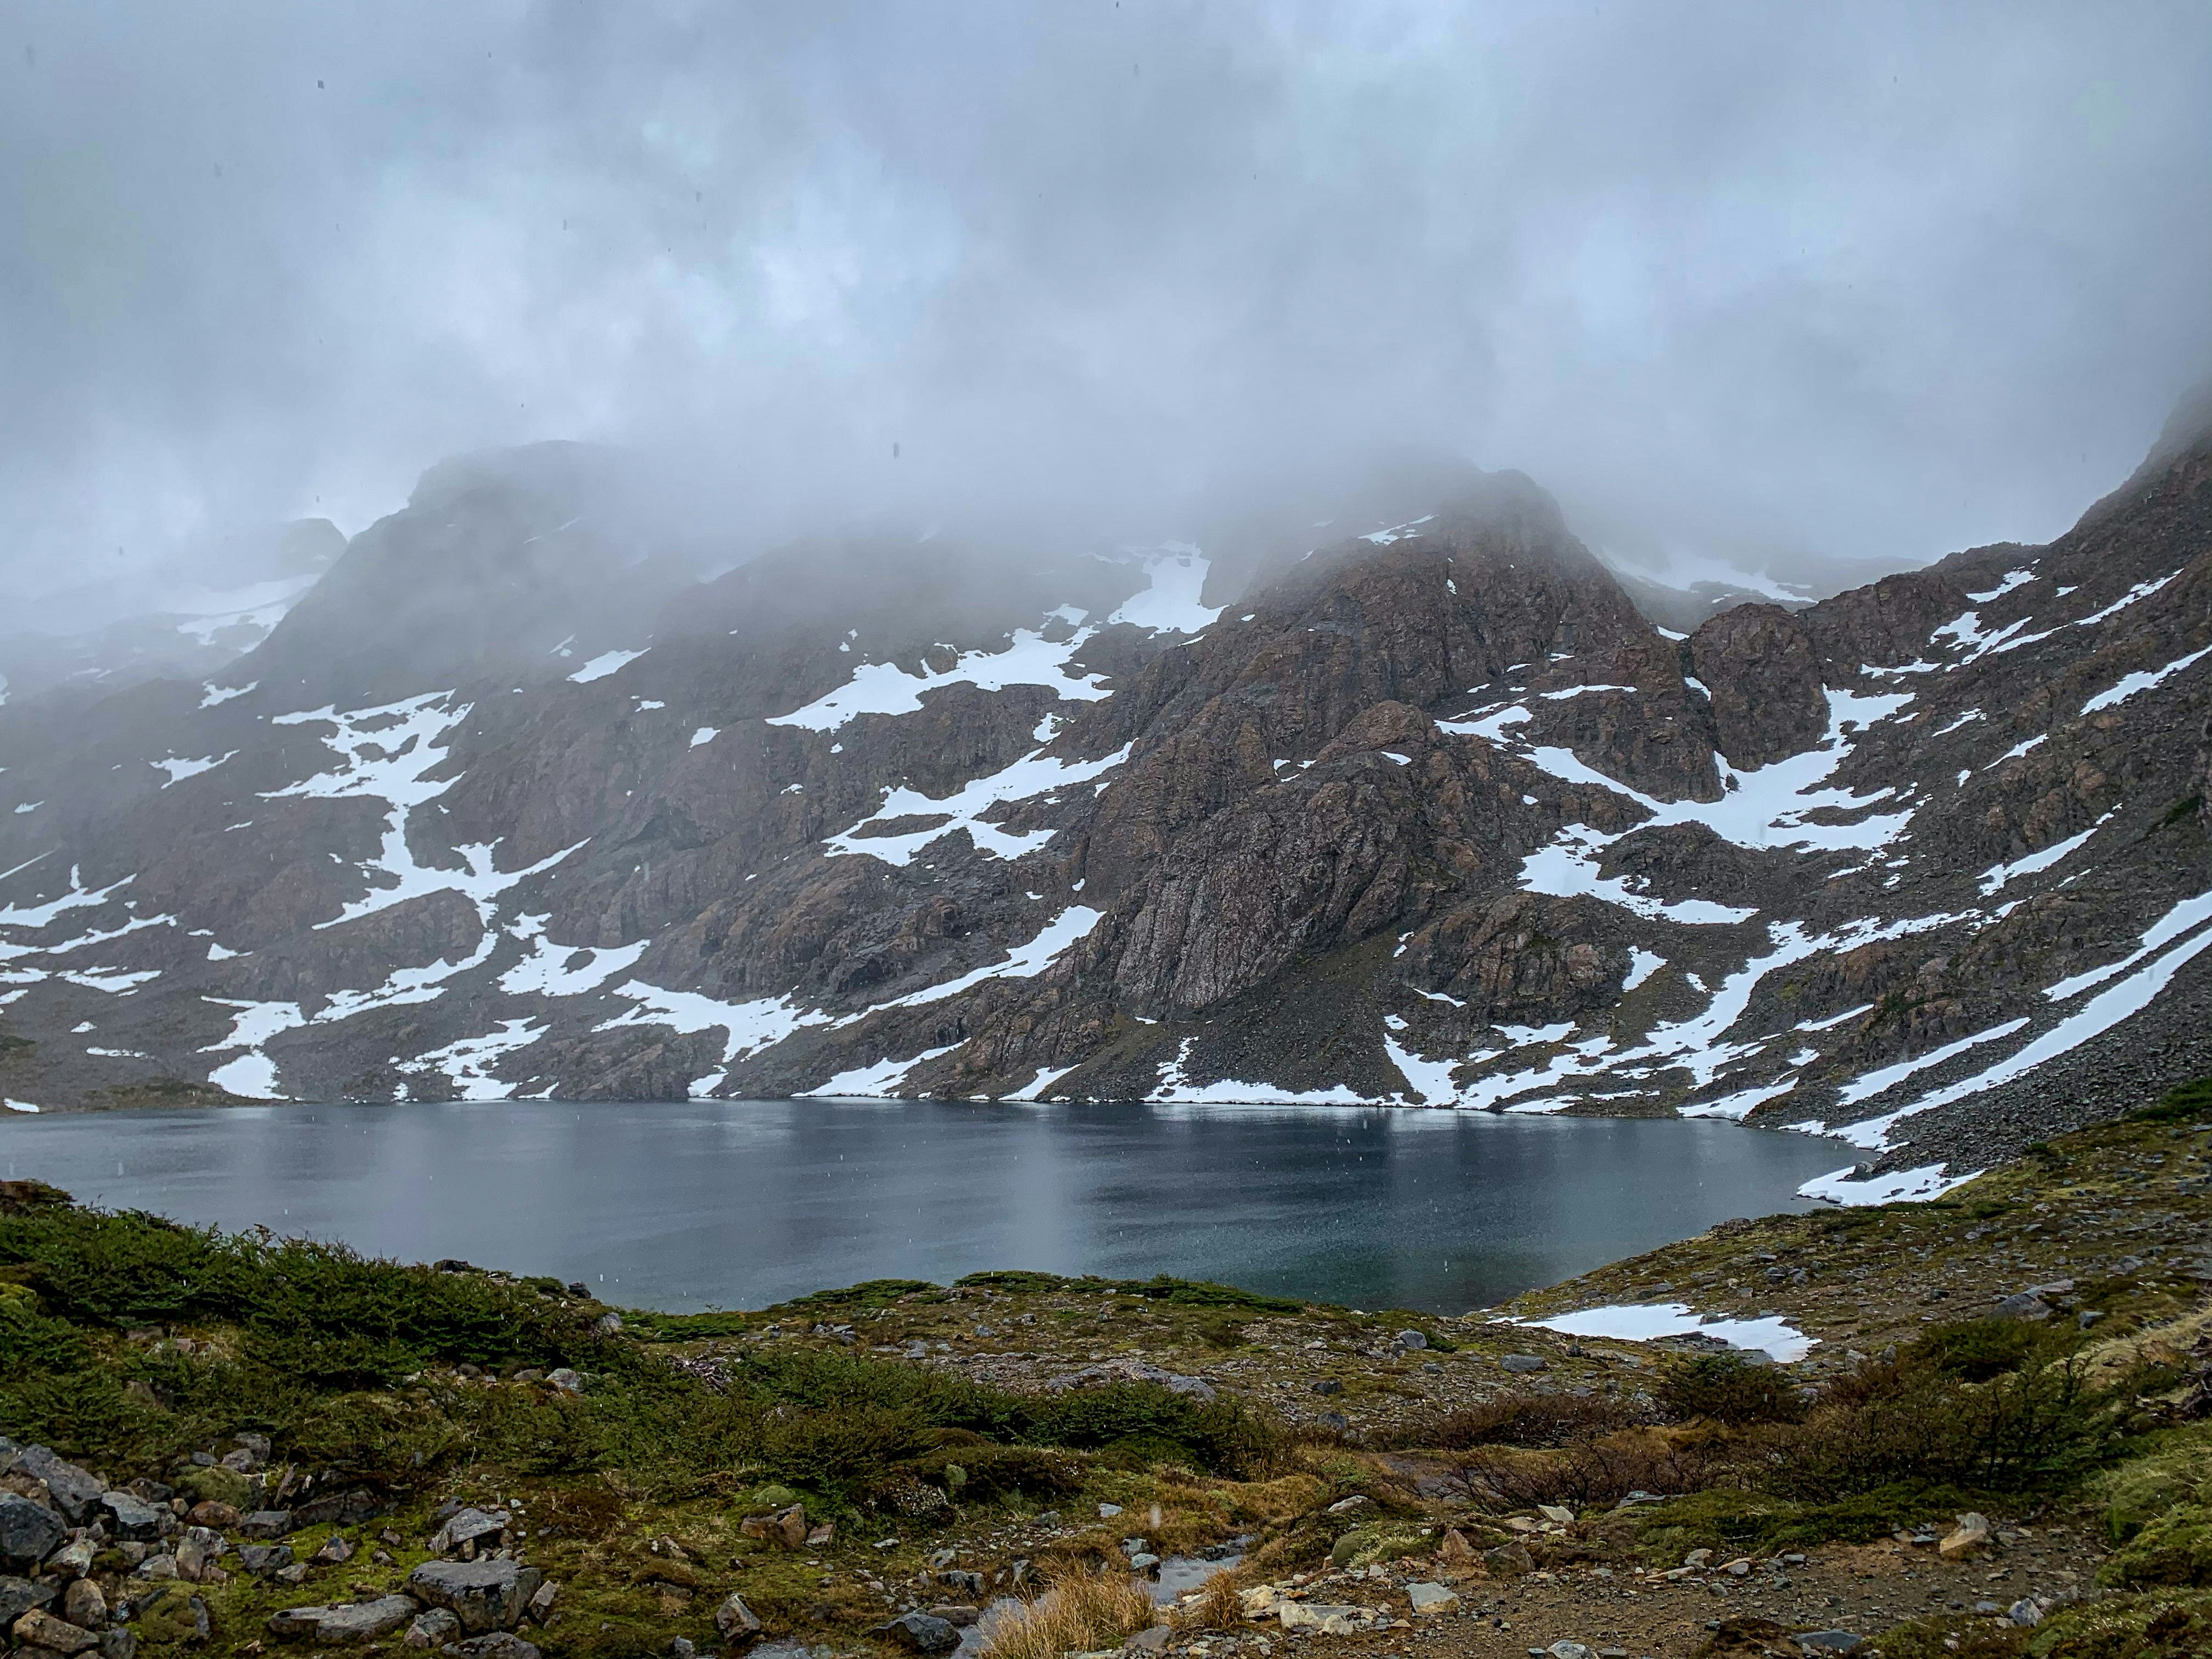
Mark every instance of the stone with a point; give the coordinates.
(1739, 1568)
(265, 1558)
(1569, 1650)
(1412, 1339)
(210, 1512)
(468, 1526)
(335, 1551)
(2024, 1304)
(1972, 1536)
(295, 1574)
(73, 1560)
(787, 1527)
(118, 1644)
(1327, 1385)
(2025, 1613)
(1322, 1618)
(540, 1606)
(1510, 1560)
(266, 1523)
(919, 1633)
(433, 1629)
(172, 1615)
(735, 1620)
(349, 1621)
(29, 1532)
(1525, 1363)
(1829, 1641)
(1454, 1550)
(84, 1603)
(1153, 1638)
(1697, 1560)
(496, 1644)
(42, 1629)
(565, 1381)
(18, 1595)
(73, 1492)
(1431, 1598)
(1558, 1513)
(131, 1516)
(485, 1596)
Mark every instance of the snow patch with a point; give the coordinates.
(1646, 1321)
(606, 663)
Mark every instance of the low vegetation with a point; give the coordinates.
(1012, 1435)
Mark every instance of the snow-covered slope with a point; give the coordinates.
(1430, 815)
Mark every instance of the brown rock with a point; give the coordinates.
(42, 1629)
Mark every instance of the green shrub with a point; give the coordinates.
(1725, 1387)
(1975, 1349)
(2175, 1548)
(2171, 1468)
(2156, 1626)
(2186, 1104)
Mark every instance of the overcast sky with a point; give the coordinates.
(1753, 282)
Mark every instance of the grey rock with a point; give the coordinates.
(919, 1633)
(1153, 1638)
(566, 1381)
(44, 1630)
(1327, 1385)
(265, 1558)
(539, 1607)
(1564, 1650)
(73, 1492)
(73, 1560)
(2024, 1304)
(433, 1629)
(495, 1644)
(1829, 1641)
(83, 1603)
(1412, 1339)
(485, 1596)
(735, 1620)
(349, 1621)
(129, 1516)
(1508, 1560)
(1525, 1363)
(29, 1532)
(119, 1645)
(1431, 1598)
(470, 1525)
(18, 1595)
(266, 1523)
(2025, 1613)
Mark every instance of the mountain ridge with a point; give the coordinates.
(1431, 814)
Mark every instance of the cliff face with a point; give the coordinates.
(1431, 814)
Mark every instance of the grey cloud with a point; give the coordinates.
(1802, 288)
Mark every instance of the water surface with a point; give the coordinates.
(738, 1204)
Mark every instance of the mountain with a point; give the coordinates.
(1429, 814)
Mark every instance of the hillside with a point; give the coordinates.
(1429, 813)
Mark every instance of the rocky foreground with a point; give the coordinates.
(1980, 1428)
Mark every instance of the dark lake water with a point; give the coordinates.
(738, 1204)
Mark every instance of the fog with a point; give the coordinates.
(1806, 290)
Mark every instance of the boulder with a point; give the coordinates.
(1829, 1641)
(484, 1595)
(497, 1644)
(84, 1604)
(433, 1629)
(468, 1526)
(42, 1630)
(735, 1620)
(351, 1621)
(787, 1527)
(919, 1633)
(539, 1607)
(265, 1558)
(215, 1515)
(266, 1523)
(73, 1492)
(73, 1560)
(2026, 1305)
(1431, 1598)
(1328, 1385)
(1525, 1363)
(29, 1532)
(118, 1644)
(1455, 1551)
(1510, 1560)
(1972, 1537)
(1412, 1339)
(18, 1595)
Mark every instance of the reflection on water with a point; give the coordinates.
(743, 1203)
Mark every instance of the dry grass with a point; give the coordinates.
(1081, 1613)
(1219, 1606)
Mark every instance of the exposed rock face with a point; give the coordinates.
(1428, 814)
